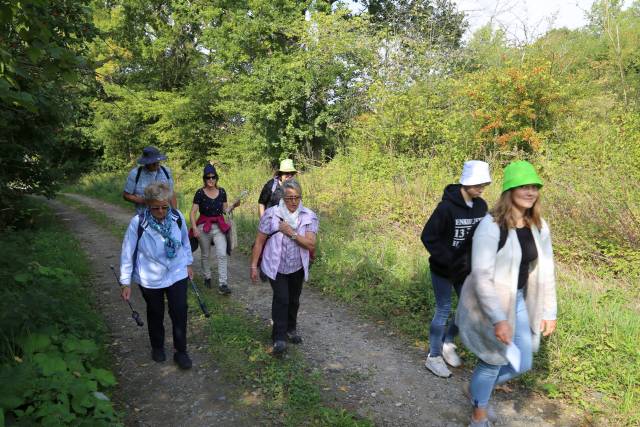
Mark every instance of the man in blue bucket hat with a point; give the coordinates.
(149, 172)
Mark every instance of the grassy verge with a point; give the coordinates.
(53, 363)
(372, 209)
(286, 389)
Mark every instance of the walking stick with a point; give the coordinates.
(203, 307)
(134, 314)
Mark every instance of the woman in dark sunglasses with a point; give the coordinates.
(156, 255)
(210, 202)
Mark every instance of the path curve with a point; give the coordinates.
(374, 372)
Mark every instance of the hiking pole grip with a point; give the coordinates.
(203, 306)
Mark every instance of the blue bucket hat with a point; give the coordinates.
(151, 155)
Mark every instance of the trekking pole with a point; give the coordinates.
(134, 314)
(203, 307)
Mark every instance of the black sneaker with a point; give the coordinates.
(182, 359)
(207, 283)
(279, 347)
(293, 337)
(224, 290)
(158, 355)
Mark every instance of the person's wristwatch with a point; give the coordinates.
(294, 236)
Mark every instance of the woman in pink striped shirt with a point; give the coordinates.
(287, 233)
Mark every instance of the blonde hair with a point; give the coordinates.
(503, 212)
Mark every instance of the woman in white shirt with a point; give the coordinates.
(509, 299)
(156, 255)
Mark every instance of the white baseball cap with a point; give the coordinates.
(475, 172)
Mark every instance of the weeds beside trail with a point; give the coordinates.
(54, 369)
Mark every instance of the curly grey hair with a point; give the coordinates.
(157, 191)
(294, 185)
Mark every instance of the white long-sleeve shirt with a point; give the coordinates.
(153, 269)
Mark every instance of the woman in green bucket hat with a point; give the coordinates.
(509, 299)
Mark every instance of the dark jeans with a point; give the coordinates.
(177, 299)
(286, 301)
(438, 332)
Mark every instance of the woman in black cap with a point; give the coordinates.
(210, 202)
(149, 172)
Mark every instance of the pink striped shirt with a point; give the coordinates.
(272, 261)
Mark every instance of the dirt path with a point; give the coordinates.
(152, 394)
(373, 372)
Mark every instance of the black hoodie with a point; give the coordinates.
(448, 232)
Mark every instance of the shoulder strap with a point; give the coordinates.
(138, 175)
(142, 225)
(503, 238)
(274, 185)
(165, 172)
(176, 216)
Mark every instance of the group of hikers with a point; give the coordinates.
(499, 262)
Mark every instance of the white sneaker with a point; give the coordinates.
(437, 366)
(450, 356)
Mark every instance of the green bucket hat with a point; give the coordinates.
(520, 173)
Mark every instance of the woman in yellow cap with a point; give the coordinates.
(272, 191)
(509, 299)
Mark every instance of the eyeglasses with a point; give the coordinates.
(210, 177)
(159, 208)
(287, 173)
(292, 198)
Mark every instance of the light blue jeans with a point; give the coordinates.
(486, 377)
(438, 332)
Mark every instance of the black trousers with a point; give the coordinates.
(286, 301)
(177, 300)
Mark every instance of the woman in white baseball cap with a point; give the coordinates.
(447, 236)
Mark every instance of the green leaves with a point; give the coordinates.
(35, 343)
(50, 364)
(55, 379)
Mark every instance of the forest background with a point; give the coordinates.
(379, 110)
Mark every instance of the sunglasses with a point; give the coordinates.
(210, 177)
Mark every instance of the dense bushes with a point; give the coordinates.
(51, 356)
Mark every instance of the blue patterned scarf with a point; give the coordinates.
(164, 228)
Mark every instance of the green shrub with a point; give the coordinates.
(52, 360)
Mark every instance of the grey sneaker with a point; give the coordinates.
(437, 366)
(491, 413)
(450, 356)
(224, 289)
